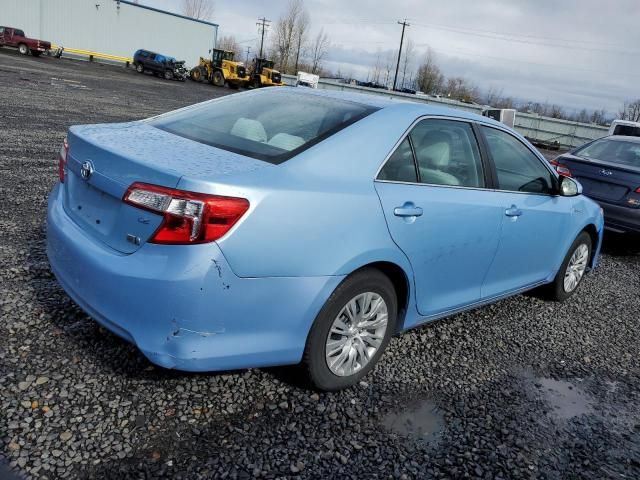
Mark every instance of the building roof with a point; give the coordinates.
(166, 12)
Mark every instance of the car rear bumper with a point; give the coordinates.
(621, 219)
(182, 305)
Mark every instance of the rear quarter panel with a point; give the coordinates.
(318, 213)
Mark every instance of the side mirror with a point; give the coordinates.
(569, 187)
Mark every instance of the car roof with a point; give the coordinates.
(623, 138)
(381, 102)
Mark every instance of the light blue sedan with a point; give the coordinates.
(289, 226)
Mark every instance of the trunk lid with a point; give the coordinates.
(113, 156)
(603, 180)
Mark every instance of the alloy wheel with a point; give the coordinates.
(356, 334)
(576, 268)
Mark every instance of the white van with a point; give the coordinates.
(625, 127)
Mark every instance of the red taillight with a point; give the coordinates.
(189, 217)
(560, 168)
(62, 159)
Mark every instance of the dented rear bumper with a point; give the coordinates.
(182, 305)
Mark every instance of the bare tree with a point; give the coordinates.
(496, 98)
(408, 57)
(230, 43)
(556, 111)
(318, 51)
(599, 117)
(301, 36)
(375, 73)
(630, 111)
(389, 65)
(199, 9)
(429, 78)
(286, 33)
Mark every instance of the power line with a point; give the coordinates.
(513, 38)
(263, 24)
(404, 25)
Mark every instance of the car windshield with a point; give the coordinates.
(269, 126)
(616, 151)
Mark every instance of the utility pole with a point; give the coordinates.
(263, 24)
(404, 25)
(248, 50)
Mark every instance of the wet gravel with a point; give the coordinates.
(520, 389)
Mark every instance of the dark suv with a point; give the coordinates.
(161, 65)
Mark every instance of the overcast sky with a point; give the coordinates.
(576, 53)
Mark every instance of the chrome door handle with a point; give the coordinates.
(407, 210)
(513, 211)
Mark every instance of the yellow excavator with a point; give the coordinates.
(220, 69)
(262, 74)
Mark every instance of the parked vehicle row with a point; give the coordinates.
(287, 226)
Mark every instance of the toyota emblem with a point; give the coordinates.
(86, 170)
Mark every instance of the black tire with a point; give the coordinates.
(556, 290)
(314, 359)
(23, 49)
(140, 68)
(36, 53)
(196, 74)
(217, 78)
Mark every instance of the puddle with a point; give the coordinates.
(421, 421)
(567, 400)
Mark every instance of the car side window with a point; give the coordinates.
(400, 166)
(447, 153)
(518, 168)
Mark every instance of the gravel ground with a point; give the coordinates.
(520, 389)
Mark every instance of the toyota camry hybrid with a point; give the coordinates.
(292, 226)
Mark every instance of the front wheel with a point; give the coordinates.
(217, 79)
(351, 331)
(168, 75)
(572, 270)
(23, 49)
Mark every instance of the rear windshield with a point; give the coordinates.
(627, 130)
(269, 126)
(616, 151)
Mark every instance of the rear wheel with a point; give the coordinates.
(23, 49)
(217, 79)
(139, 68)
(351, 331)
(572, 270)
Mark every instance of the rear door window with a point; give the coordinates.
(400, 166)
(447, 153)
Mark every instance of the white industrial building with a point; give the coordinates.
(112, 27)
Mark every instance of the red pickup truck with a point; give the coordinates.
(14, 37)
